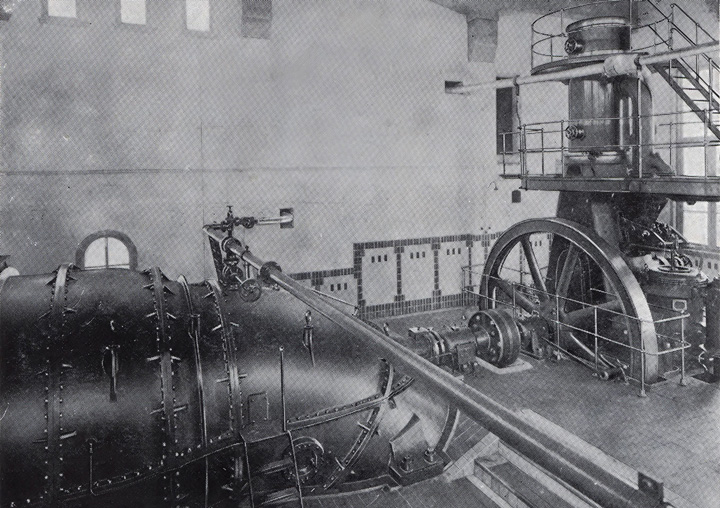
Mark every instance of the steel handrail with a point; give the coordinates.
(698, 25)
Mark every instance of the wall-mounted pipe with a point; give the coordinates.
(579, 72)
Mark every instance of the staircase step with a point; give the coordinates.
(282, 497)
(275, 466)
(516, 487)
(692, 102)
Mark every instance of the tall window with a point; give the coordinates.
(62, 8)
(506, 115)
(700, 221)
(198, 15)
(106, 249)
(133, 12)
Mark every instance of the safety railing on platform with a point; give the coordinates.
(544, 148)
(649, 35)
(474, 279)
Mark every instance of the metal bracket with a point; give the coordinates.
(651, 486)
(284, 213)
(265, 271)
(111, 366)
(308, 336)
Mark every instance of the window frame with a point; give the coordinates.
(107, 233)
(713, 168)
(78, 20)
(512, 153)
(196, 31)
(128, 23)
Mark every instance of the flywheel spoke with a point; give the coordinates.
(563, 284)
(537, 277)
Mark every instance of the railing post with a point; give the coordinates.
(705, 141)
(683, 382)
(523, 155)
(513, 301)
(542, 150)
(551, 48)
(639, 129)
(562, 147)
(711, 91)
(671, 141)
(557, 320)
(595, 314)
(642, 370)
(655, 37)
(282, 389)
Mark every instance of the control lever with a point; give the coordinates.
(230, 222)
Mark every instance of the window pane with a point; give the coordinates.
(505, 113)
(695, 223)
(132, 11)
(117, 253)
(693, 161)
(95, 254)
(62, 8)
(198, 14)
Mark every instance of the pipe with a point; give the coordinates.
(268, 221)
(547, 451)
(579, 72)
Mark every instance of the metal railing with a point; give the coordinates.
(691, 33)
(547, 142)
(548, 32)
(474, 279)
(659, 32)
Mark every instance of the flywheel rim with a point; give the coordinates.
(608, 258)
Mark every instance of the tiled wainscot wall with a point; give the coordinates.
(392, 277)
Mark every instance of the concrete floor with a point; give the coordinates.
(428, 494)
(673, 434)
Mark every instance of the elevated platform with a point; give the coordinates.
(693, 188)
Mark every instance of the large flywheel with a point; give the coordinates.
(581, 286)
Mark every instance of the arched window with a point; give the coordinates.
(106, 249)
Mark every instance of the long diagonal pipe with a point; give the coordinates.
(575, 469)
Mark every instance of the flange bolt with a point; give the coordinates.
(430, 455)
(407, 463)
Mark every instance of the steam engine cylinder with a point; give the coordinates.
(604, 131)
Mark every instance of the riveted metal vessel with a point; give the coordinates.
(121, 387)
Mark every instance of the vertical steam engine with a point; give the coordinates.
(606, 282)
